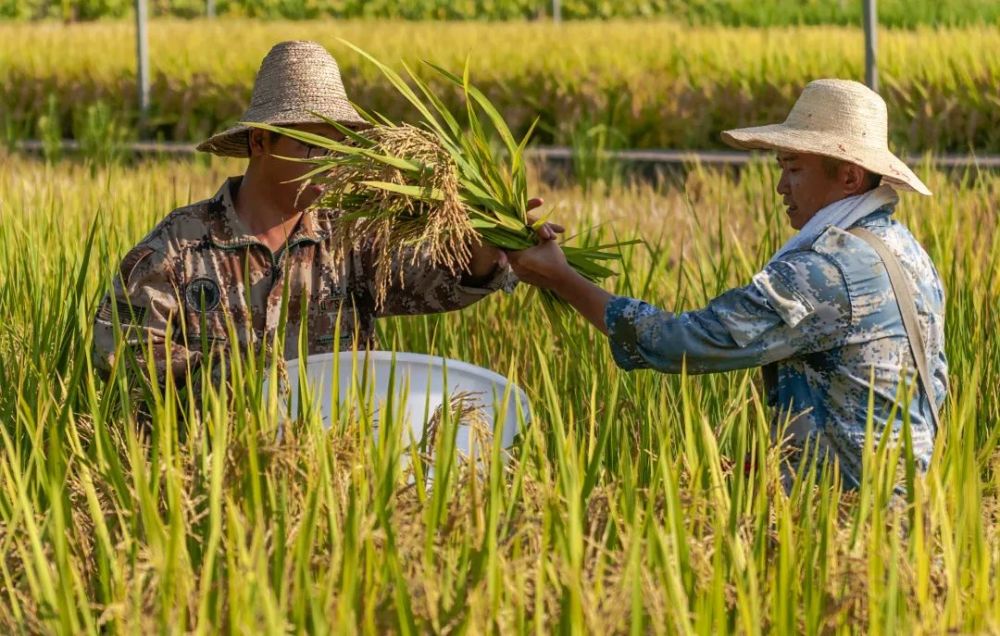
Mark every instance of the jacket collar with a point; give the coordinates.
(226, 230)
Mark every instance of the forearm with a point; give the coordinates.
(483, 264)
(586, 297)
(418, 286)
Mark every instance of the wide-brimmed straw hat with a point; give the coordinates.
(835, 118)
(295, 80)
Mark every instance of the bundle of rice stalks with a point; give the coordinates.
(433, 190)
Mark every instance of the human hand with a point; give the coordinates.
(486, 258)
(547, 231)
(543, 265)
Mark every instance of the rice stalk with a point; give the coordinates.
(431, 191)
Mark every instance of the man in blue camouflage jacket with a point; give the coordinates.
(821, 317)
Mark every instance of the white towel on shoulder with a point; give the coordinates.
(842, 214)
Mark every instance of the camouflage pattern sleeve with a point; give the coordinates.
(420, 287)
(794, 306)
(143, 302)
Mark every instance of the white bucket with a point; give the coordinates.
(421, 379)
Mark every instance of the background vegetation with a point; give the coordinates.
(649, 84)
(896, 13)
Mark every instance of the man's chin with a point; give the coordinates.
(796, 219)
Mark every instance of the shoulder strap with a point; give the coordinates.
(908, 311)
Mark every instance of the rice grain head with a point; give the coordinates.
(400, 228)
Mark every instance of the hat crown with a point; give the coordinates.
(845, 108)
(298, 83)
(296, 76)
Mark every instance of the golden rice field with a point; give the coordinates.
(896, 13)
(624, 509)
(658, 84)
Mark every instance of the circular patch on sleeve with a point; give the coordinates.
(202, 294)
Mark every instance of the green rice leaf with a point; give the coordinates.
(298, 135)
(498, 121)
(482, 224)
(404, 89)
(344, 130)
(427, 194)
(442, 110)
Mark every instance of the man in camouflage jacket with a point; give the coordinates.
(232, 257)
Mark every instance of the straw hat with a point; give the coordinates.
(295, 80)
(836, 118)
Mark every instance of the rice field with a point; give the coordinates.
(897, 13)
(625, 508)
(653, 83)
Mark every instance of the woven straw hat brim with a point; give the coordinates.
(780, 137)
(235, 141)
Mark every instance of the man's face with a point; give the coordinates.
(280, 174)
(806, 186)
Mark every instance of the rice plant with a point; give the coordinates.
(634, 502)
(430, 191)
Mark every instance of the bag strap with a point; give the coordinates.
(907, 309)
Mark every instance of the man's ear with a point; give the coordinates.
(852, 177)
(257, 140)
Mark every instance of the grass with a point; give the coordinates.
(661, 84)
(897, 13)
(625, 509)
